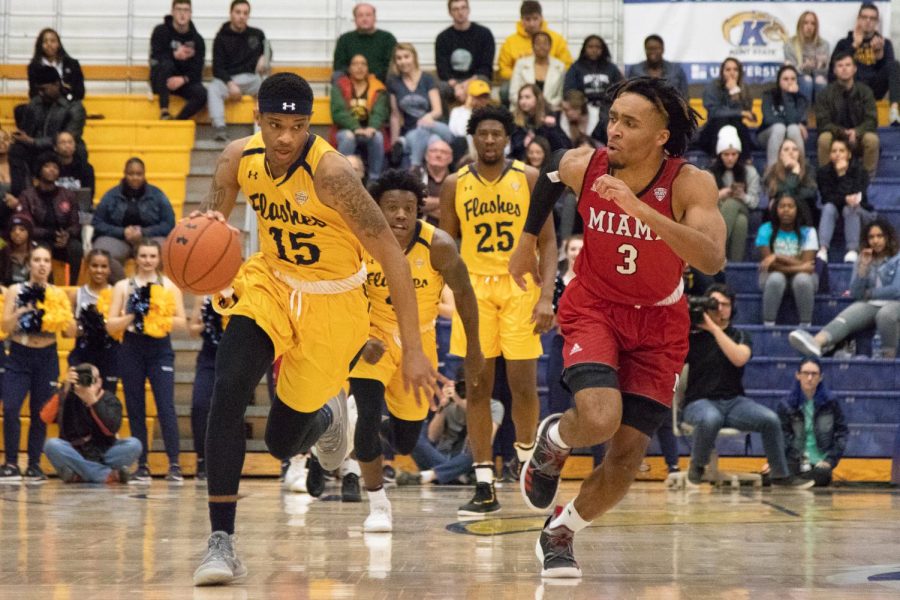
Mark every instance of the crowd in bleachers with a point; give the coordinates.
(387, 110)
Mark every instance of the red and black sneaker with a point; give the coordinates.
(555, 550)
(539, 480)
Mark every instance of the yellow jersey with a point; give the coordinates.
(298, 234)
(491, 216)
(427, 280)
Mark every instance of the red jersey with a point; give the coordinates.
(622, 259)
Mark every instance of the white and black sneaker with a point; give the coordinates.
(175, 475)
(554, 548)
(141, 476)
(220, 565)
(334, 444)
(34, 474)
(804, 343)
(10, 474)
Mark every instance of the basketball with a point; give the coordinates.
(202, 255)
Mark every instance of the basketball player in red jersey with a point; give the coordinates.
(624, 318)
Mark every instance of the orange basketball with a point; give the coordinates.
(202, 255)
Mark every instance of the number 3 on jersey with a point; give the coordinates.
(629, 254)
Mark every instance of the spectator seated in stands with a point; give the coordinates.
(714, 397)
(8, 202)
(848, 107)
(128, 213)
(787, 247)
(875, 287)
(88, 449)
(375, 44)
(360, 109)
(415, 108)
(538, 152)
(658, 68)
(442, 452)
(241, 58)
(784, 114)
(478, 94)
(177, 54)
(532, 119)
(593, 74)
(873, 55)
(842, 186)
(37, 124)
(815, 430)
(727, 102)
(540, 69)
(809, 54)
(54, 213)
(49, 52)
(575, 120)
(14, 252)
(790, 175)
(463, 51)
(738, 184)
(75, 172)
(519, 44)
(438, 158)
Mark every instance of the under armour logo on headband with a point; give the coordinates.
(294, 106)
(286, 106)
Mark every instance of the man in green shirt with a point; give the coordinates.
(376, 45)
(815, 430)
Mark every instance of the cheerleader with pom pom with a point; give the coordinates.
(33, 312)
(93, 343)
(144, 309)
(209, 325)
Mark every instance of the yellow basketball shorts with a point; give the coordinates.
(317, 344)
(504, 319)
(389, 371)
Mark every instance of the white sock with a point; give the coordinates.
(570, 519)
(349, 466)
(427, 476)
(377, 497)
(553, 434)
(484, 473)
(523, 452)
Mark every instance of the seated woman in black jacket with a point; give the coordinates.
(49, 51)
(532, 119)
(842, 186)
(129, 212)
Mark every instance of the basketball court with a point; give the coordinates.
(140, 542)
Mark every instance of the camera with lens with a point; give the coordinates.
(698, 306)
(85, 374)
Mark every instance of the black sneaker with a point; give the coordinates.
(10, 474)
(512, 470)
(407, 478)
(201, 470)
(315, 477)
(350, 488)
(285, 465)
(34, 474)
(389, 474)
(554, 549)
(174, 475)
(539, 480)
(141, 476)
(695, 475)
(483, 502)
(792, 482)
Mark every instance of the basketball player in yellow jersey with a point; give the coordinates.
(300, 298)
(484, 205)
(433, 260)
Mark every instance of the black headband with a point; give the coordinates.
(293, 106)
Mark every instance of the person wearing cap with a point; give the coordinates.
(464, 50)
(738, 184)
(541, 69)
(54, 213)
(14, 252)
(38, 123)
(478, 94)
(360, 110)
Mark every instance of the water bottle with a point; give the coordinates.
(876, 345)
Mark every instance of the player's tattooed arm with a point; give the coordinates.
(223, 189)
(339, 187)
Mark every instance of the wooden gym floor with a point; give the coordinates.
(79, 541)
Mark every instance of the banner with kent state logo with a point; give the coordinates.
(699, 34)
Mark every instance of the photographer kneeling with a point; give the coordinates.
(715, 398)
(89, 417)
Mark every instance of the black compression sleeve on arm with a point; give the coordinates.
(546, 192)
